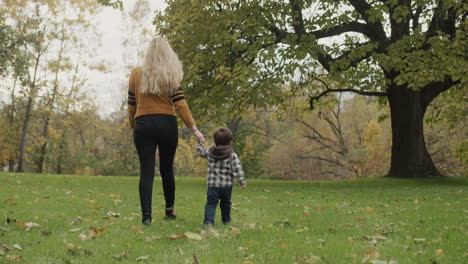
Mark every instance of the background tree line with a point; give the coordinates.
(266, 78)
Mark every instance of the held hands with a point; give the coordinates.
(198, 134)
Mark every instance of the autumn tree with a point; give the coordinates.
(240, 52)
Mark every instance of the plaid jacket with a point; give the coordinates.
(221, 173)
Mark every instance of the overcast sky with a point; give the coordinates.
(108, 87)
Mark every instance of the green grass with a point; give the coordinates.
(277, 221)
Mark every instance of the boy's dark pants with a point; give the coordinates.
(215, 194)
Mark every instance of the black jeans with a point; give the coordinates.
(215, 194)
(152, 131)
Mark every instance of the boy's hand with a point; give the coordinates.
(243, 186)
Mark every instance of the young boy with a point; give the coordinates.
(223, 166)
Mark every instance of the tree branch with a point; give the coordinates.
(433, 89)
(374, 30)
(327, 91)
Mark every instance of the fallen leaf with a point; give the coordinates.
(252, 225)
(73, 250)
(121, 255)
(318, 208)
(31, 224)
(193, 236)
(234, 231)
(17, 246)
(96, 230)
(439, 252)
(177, 236)
(142, 258)
(149, 239)
(13, 257)
(302, 230)
(284, 245)
(84, 236)
(76, 221)
(92, 201)
(213, 233)
(370, 255)
(137, 229)
(368, 208)
(5, 247)
(21, 224)
(113, 214)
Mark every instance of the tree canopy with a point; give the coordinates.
(239, 53)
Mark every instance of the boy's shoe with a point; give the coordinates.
(146, 219)
(170, 214)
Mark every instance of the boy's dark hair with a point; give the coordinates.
(222, 136)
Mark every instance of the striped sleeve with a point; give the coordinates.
(131, 98)
(181, 107)
(178, 95)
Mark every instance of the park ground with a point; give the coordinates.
(93, 219)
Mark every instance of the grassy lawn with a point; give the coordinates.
(359, 221)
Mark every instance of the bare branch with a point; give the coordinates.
(327, 91)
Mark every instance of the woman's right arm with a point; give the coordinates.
(131, 100)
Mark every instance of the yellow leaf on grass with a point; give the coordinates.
(440, 252)
(21, 224)
(177, 236)
(318, 208)
(13, 257)
(92, 201)
(194, 236)
(284, 245)
(137, 229)
(368, 208)
(370, 255)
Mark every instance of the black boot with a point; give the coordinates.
(146, 219)
(170, 214)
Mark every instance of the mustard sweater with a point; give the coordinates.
(142, 104)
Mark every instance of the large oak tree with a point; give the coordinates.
(241, 52)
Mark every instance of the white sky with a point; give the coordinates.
(109, 88)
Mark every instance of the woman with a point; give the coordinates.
(154, 98)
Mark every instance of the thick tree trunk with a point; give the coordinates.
(410, 158)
